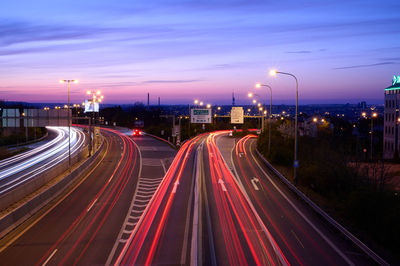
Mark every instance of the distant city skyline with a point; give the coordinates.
(181, 50)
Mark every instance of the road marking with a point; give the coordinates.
(163, 166)
(220, 181)
(316, 229)
(49, 258)
(254, 181)
(297, 237)
(91, 205)
(35, 221)
(176, 184)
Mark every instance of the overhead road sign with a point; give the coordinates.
(237, 115)
(200, 116)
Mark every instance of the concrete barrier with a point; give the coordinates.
(37, 181)
(20, 214)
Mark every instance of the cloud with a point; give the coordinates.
(172, 81)
(367, 65)
(298, 52)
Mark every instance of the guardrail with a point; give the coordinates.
(324, 215)
(17, 216)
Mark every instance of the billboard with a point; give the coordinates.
(90, 107)
(237, 115)
(200, 116)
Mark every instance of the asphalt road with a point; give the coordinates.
(25, 166)
(303, 236)
(218, 205)
(199, 216)
(85, 225)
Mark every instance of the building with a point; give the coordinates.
(391, 120)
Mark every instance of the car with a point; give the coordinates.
(230, 134)
(137, 133)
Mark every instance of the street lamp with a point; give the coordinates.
(69, 119)
(258, 86)
(296, 162)
(96, 98)
(251, 95)
(373, 115)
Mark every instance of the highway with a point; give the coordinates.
(218, 205)
(25, 166)
(304, 237)
(201, 210)
(86, 224)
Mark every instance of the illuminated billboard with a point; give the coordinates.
(90, 107)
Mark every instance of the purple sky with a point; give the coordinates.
(341, 51)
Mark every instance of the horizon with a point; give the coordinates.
(185, 50)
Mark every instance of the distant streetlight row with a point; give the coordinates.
(200, 103)
(97, 97)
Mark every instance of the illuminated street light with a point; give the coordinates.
(219, 108)
(196, 101)
(364, 114)
(315, 120)
(96, 98)
(296, 162)
(258, 86)
(208, 106)
(250, 95)
(201, 103)
(254, 101)
(69, 119)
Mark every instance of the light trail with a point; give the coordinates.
(241, 147)
(263, 247)
(135, 244)
(34, 166)
(108, 196)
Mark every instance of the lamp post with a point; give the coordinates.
(296, 162)
(373, 115)
(96, 98)
(250, 95)
(69, 120)
(259, 85)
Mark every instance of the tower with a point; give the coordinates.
(233, 99)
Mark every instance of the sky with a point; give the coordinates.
(340, 51)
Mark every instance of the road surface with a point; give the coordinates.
(83, 226)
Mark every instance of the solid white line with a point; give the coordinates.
(91, 205)
(163, 166)
(49, 258)
(297, 238)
